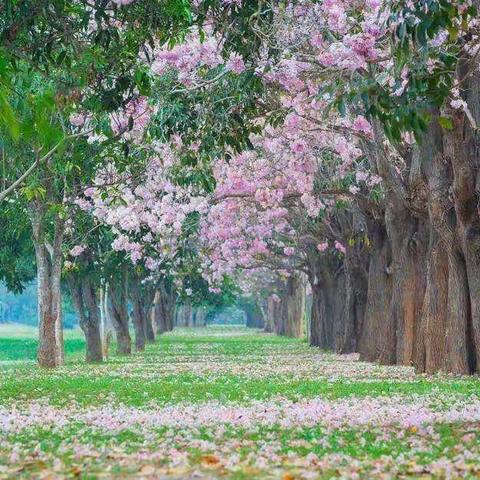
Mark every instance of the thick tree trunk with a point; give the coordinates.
(433, 354)
(458, 315)
(328, 289)
(269, 315)
(376, 338)
(322, 318)
(86, 304)
(462, 146)
(292, 307)
(355, 300)
(445, 219)
(141, 298)
(93, 339)
(410, 278)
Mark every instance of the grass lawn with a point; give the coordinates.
(228, 402)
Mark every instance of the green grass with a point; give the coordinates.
(222, 365)
(135, 382)
(18, 342)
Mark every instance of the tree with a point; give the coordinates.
(49, 72)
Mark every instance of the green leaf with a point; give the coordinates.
(8, 116)
(446, 123)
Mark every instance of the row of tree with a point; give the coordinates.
(300, 155)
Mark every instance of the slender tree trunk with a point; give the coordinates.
(139, 302)
(138, 326)
(92, 330)
(147, 315)
(187, 314)
(117, 307)
(49, 269)
(106, 326)
(160, 320)
(86, 303)
(48, 311)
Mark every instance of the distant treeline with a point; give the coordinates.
(22, 308)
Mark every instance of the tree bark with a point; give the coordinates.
(164, 308)
(291, 308)
(86, 304)
(117, 307)
(433, 351)
(355, 271)
(328, 288)
(141, 297)
(49, 268)
(376, 335)
(138, 326)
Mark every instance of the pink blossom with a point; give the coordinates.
(361, 124)
(235, 63)
(338, 246)
(123, 2)
(321, 247)
(77, 250)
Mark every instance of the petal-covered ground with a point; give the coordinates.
(226, 402)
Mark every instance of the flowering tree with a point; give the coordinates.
(56, 62)
(409, 75)
(335, 141)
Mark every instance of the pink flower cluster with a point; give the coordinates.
(132, 121)
(195, 56)
(146, 212)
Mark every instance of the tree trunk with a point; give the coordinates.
(254, 315)
(462, 147)
(117, 307)
(269, 312)
(444, 217)
(187, 314)
(141, 297)
(376, 338)
(432, 357)
(49, 268)
(164, 308)
(328, 288)
(355, 300)
(160, 319)
(292, 307)
(147, 295)
(458, 315)
(137, 321)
